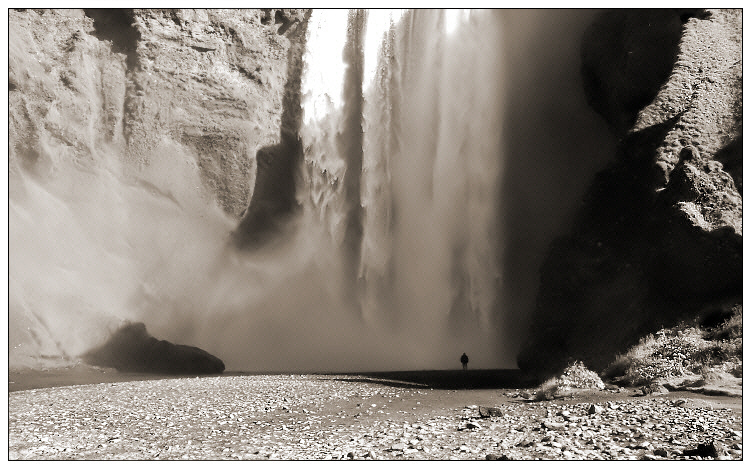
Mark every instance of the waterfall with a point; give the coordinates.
(402, 143)
(436, 155)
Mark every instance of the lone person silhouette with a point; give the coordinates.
(464, 360)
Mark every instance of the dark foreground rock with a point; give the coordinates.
(133, 349)
(294, 417)
(712, 449)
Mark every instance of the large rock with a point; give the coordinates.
(132, 349)
(659, 235)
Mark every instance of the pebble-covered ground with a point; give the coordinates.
(357, 417)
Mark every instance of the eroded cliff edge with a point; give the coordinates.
(658, 239)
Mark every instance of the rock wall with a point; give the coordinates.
(210, 82)
(659, 236)
(126, 129)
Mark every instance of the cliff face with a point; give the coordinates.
(659, 236)
(124, 125)
(208, 82)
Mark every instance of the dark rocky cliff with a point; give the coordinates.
(659, 236)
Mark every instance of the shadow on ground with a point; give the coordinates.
(82, 374)
(444, 379)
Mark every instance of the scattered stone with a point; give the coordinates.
(488, 411)
(713, 449)
(660, 452)
(623, 432)
(526, 443)
(554, 425)
(654, 388)
(595, 409)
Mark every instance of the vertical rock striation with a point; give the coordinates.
(659, 236)
(210, 82)
(213, 81)
(273, 194)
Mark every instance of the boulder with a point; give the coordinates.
(714, 449)
(132, 349)
(553, 425)
(498, 457)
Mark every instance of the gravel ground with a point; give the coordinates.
(298, 417)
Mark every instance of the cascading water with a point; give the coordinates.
(402, 164)
(420, 237)
(409, 190)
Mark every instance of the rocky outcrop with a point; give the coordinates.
(66, 91)
(659, 236)
(208, 82)
(629, 55)
(132, 349)
(212, 80)
(274, 197)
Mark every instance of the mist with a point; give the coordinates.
(554, 144)
(475, 145)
